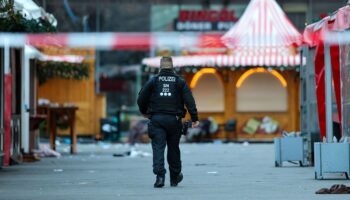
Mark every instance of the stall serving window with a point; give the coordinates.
(208, 91)
(260, 90)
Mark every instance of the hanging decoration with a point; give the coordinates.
(47, 70)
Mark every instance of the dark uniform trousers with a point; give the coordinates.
(165, 130)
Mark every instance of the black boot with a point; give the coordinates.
(159, 181)
(176, 180)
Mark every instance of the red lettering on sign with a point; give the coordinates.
(199, 15)
(184, 15)
(223, 15)
(212, 16)
(207, 15)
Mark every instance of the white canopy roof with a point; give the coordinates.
(31, 10)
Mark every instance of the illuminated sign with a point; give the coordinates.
(205, 20)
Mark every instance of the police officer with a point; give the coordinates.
(162, 100)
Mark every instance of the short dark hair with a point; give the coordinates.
(166, 62)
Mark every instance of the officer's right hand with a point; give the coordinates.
(195, 124)
(146, 116)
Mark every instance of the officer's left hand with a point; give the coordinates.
(195, 124)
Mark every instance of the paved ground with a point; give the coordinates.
(212, 171)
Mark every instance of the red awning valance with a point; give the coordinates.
(314, 33)
(228, 61)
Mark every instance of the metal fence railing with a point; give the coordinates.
(16, 138)
(345, 90)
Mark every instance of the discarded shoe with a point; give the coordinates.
(159, 182)
(176, 180)
(335, 189)
(323, 191)
(339, 189)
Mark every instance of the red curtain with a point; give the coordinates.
(320, 88)
(334, 50)
(320, 83)
(7, 118)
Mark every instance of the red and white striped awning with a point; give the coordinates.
(263, 36)
(227, 61)
(263, 24)
(322, 30)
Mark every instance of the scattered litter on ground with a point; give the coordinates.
(123, 154)
(245, 143)
(213, 172)
(67, 141)
(204, 164)
(45, 151)
(104, 145)
(335, 189)
(58, 170)
(66, 149)
(132, 154)
(135, 153)
(200, 164)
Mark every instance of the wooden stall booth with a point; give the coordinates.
(251, 74)
(263, 102)
(80, 93)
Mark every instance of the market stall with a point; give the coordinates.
(332, 85)
(249, 74)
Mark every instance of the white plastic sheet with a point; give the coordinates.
(345, 87)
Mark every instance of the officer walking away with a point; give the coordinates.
(163, 99)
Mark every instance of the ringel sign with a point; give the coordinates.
(205, 20)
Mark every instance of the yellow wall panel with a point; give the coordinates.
(80, 92)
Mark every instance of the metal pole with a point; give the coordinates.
(6, 58)
(5, 71)
(138, 83)
(305, 53)
(25, 100)
(328, 86)
(97, 52)
(310, 14)
(306, 99)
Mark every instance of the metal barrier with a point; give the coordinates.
(308, 103)
(1, 147)
(16, 154)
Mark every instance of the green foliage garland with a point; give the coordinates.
(48, 70)
(12, 21)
